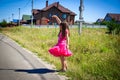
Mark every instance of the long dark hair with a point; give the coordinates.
(65, 27)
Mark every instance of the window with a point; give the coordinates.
(56, 14)
(64, 16)
(50, 14)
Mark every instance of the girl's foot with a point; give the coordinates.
(64, 69)
(61, 70)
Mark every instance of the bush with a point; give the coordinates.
(113, 27)
(117, 29)
(3, 23)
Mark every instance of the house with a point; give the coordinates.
(15, 21)
(112, 16)
(99, 20)
(26, 19)
(44, 16)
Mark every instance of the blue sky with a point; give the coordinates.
(94, 9)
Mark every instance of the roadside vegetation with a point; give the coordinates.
(96, 55)
(4, 23)
(112, 26)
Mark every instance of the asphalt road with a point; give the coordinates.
(17, 63)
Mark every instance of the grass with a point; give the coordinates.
(96, 55)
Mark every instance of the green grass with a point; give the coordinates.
(96, 55)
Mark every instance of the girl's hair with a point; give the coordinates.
(65, 27)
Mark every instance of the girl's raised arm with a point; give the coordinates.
(57, 18)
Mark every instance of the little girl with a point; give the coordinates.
(61, 49)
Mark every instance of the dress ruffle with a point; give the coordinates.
(60, 50)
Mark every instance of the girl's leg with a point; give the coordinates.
(63, 63)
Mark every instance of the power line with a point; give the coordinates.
(12, 16)
(26, 4)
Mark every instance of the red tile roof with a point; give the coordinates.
(35, 11)
(60, 7)
(116, 17)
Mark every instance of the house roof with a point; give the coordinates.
(35, 11)
(60, 7)
(99, 20)
(15, 20)
(26, 17)
(114, 16)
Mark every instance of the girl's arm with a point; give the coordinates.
(56, 17)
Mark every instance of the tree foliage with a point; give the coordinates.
(112, 26)
(3, 23)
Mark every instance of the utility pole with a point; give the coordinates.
(32, 14)
(19, 17)
(81, 8)
(12, 17)
(9, 19)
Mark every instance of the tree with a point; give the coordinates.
(3, 23)
(113, 27)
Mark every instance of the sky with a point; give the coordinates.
(93, 9)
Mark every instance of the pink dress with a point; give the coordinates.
(60, 48)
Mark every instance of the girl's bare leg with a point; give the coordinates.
(63, 63)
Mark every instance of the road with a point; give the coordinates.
(17, 63)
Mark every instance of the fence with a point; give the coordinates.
(71, 26)
(94, 26)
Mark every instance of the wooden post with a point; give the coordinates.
(19, 17)
(81, 8)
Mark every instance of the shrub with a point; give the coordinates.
(3, 23)
(113, 27)
(117, 29)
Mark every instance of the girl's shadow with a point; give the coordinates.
(36, 71)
